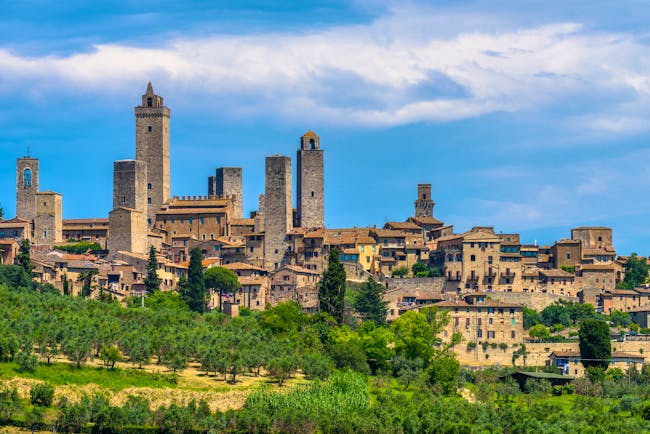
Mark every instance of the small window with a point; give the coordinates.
(149, 129)
(149, 186)
(312, 194)
(149, 102)
(472, 258)
(149, 200)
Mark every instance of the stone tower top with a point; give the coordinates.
(310, 141)
(150, 99)
(423, 204)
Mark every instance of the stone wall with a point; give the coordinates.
(128, 231)
(130, 185)
(532, 300)
(228, 183)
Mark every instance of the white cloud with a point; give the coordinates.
(402, 68)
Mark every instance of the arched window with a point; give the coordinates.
(149, 186)
(27, 178)
(149, 102)
(312, 144)
(450, 258)
(459, 258)
(472, 258)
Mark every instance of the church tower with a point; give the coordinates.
(423, 204)
(152, 147)
(26, 188)
(310, 189)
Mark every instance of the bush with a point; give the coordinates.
(444, 372)
(27, 362)
(471, 345)
(41, 394)
(314, 365)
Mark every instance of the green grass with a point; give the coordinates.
(62, 374)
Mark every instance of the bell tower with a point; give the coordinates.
(26, 187)
(152, 147)
(310, 188)
(423, 204)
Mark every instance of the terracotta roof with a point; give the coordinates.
(182, 236)
(300, 269)
(556, 272)
(95, 221)
(567, 241)
(402, 225)
(427, 220)
(601, 251)
(318, 233)
(449, 237)
(615, 355)
(205, 262)
(350, 251)
(8, 241)
(389, 233)
(242, 266)
(252, 280)
(597, 267)
(310, 133)
(474, 236)
(242, 222)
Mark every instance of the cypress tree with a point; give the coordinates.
(66, 285)
(195, 292)
(152, 282)
(370, 303)
(24, 257)
(331, 294)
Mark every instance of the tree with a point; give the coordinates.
(400, 271)
(24, 257)
(539, 332)
(223, 280)
(41, 394)
(556, 314)
(66, 285)
(620, 319)
(420, 269)
(636, 272)
(110, 355)
(370, 303)
(595, 344)
(152, 281)
(194, 293)
(531, 318)
(444, 372)
(331, 294)
(87, 277)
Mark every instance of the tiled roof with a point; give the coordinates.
(402, 225)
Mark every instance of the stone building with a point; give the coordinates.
(227, 182)
(128, 228)
(48, 222)
(152, 147)
(92, 230)
(16, 229)
(310, 182)
(27, 184)
(278, 210)
(203, 217)
(423, 204)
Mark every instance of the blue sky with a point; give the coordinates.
(528, 116)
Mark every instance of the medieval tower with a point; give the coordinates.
(310, 200)
(48, 223)
(424, 204)
(26, 188)
(227, 182)
(127, 221)
(278, 210)
(152, 147)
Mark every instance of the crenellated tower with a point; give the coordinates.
(310, 188)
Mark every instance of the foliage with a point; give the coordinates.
(223, 280)
(152, 281)
(194, 293)
(110, 355)
(66, 285)
(620, 319)
(87, 277)
(370, 304)
(23, 259)
(539, 332)
(79, 248)
(595, 344)
(568, 268)
(41, 394)
(636, 272)
(400, 271)
(531, 318)
(331, 293)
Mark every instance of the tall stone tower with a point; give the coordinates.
(278, 210)
(152, 147)
(127, 222)
(423, 204)
(311, 195)
(26, 188)
(228, 182)
(48, 223)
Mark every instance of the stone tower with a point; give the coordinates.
(152, 147)
(26, 188)
(129, 185)
(228, 183)
(48, 223)
(278, 210)
(311, 195)
(127, 222)
(424, 204)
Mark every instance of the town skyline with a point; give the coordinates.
(520, 168)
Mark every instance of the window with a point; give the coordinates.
(149, 221)
(191, 220)
(479, 333)
(149, 129)
(513, 334)
(149, 102)
(202, 220)
(149, 186)
(27, 178)
(479, 321)
(512, 322)
(149, 200)
(472, 258)
(312, 194)
(2, 234)
(491, 334)
(568, 255)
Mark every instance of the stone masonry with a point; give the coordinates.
(278, 209)
(129, 185)
(48, 223)
(152, 147)
(310, 185)
(26, 188)
(228, 183)
(424, 204)
(127, 222)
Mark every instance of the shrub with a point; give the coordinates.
(471, 345)
(41, 394)
(503, 346)
(314, 365)
(27, 362)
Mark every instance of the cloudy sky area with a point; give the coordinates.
(530, 118)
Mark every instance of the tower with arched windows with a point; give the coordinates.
(26, 188)
(310, 188)
(152, 147)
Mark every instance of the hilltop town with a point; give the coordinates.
(279, 252)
